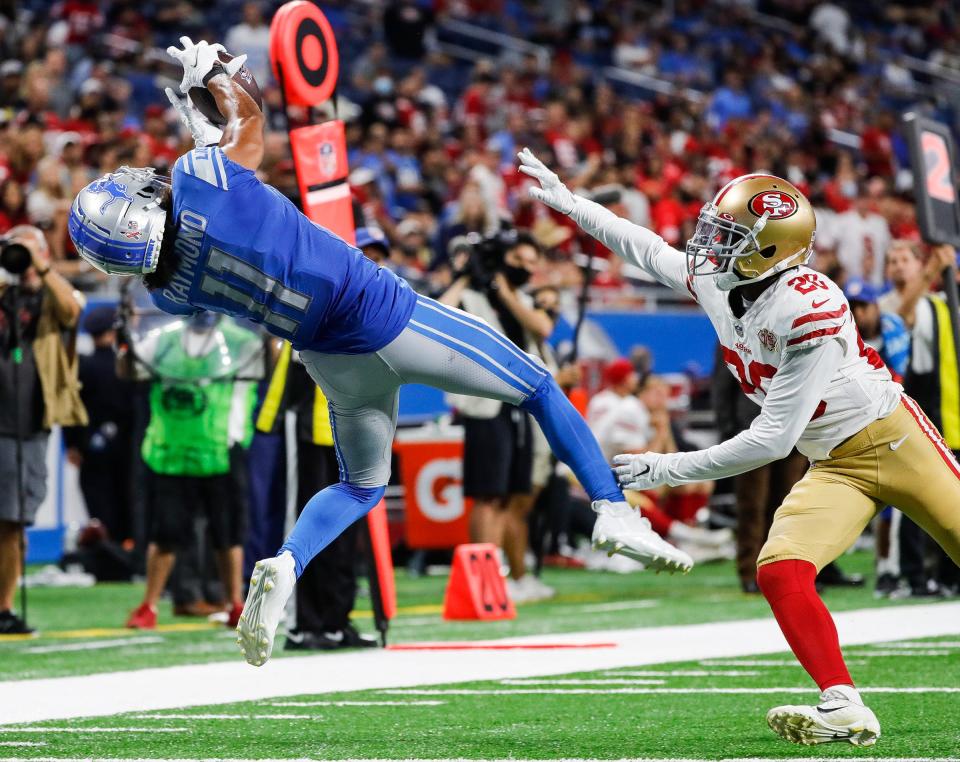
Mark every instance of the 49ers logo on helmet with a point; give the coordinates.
(778, 204)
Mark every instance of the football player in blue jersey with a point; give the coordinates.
(214, 237)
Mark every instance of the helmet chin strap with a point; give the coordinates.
(735, 281)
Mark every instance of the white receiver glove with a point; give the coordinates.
(198, 59)
(642, 471)
(552, 192)
(204, 132)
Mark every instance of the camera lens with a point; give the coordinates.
(15, 258)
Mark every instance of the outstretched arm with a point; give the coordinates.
(794, 394)
(632, 243)
(242, 139)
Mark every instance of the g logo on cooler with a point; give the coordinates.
(778, 204)
(439, 491)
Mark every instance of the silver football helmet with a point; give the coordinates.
(116, 222)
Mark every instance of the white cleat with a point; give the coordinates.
(840, 716)
(621, 529)
(272, 583)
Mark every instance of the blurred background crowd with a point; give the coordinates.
(648, 108)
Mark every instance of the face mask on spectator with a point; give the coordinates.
(516, 276)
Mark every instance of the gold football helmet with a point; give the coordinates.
(755, 227)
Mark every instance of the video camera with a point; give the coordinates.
(486, 253)
(15, 258)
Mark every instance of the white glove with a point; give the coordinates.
(643, 471)
(552, 192)
(198, 59)
(204, 132)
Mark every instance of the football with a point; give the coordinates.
(205, 103)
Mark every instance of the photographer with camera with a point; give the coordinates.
(38, 388)
(498, 438)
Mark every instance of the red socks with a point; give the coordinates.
(808, 627)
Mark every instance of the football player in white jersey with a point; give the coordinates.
(790, 339)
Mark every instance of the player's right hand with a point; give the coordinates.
(552, 191)
(204, 132)
(198, 59)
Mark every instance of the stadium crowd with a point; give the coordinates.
(649, 111)
(809, 95)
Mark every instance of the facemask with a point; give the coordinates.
(516, 276)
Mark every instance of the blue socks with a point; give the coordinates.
(332, 510)
(325, 516)
(572, 441)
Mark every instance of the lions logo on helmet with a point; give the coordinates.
(755, 227)
(107, 184)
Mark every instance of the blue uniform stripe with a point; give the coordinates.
(503, 341)
(190, 168)
(473, 347)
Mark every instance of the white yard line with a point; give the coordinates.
(902, 652)
(767, 662)
(355, 703)
(70, 729)
(306, 717)
(111, 693)
(909, 646)
(684, 673)
(23, 743)
(93, 645)
(605, 691)
(577, 681)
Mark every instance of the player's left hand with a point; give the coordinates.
(204, 132)
(642, 471)
(198, 59)
(552, 191)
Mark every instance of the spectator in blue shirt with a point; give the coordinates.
(884, 331)
(730, 101)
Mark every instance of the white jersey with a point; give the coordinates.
(795, 351)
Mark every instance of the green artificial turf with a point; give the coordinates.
(599, 725)
(585, 601)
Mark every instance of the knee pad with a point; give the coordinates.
(544, 389)
(781, 578)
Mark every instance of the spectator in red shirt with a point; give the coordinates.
(13, 205)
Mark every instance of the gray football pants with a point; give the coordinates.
(441, 347)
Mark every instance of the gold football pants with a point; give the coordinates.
(900, 460)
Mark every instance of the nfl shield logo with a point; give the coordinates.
(328, 159)
(132, 232)
(767, 338)
(739, 329)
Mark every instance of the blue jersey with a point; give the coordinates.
(895, 351)
(247, 251)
